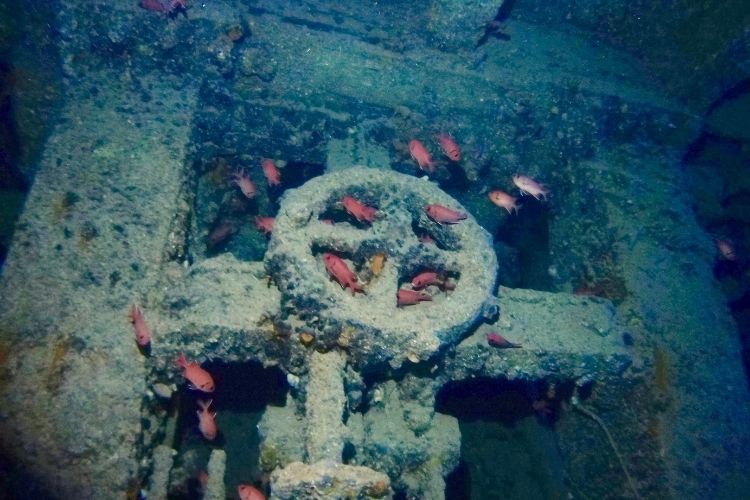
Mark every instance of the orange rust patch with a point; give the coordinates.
(376, 263)
(56, 367)
(306, 338)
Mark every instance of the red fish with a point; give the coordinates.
(449, 147)
(339, 271)
(142, 332)
(496, 340)
(273, 176)
(527, 185)
(726, 248)
(444, 215)
(167, 6)
(426, 239)
(421, 156)
(203, 480)
(264, 224)
(504, 200)
(427, 278)
(153, 5)
(247, 492)
(245, 183)
(406, 297)
(358, 210)
(206, 421)
(197, 376)
(220, 234)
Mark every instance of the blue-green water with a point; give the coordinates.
(621, 289)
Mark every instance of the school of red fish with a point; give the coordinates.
(198, 379)
(421, 288)
(338, 269)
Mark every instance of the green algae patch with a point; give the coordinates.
(271, 457)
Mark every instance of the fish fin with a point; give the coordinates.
(182, 360)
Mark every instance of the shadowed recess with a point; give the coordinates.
(508, 449)
(243, 390)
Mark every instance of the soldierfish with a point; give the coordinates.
(271, 172)
(426, 239)
(504, 200)
(406, 297)
(339, 270)
(197, 376)
(142, 332)
(527, 185)
(496, 340)
(264, 224)
(444, 215)
(166, 6)
(247, 492)
(245, 183)
(220, 234)
(359, 210)
(725, 246)
(427, 278)
(206, 420)
(421, 156)
(449, 147)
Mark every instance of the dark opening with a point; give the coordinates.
(428, 237)
(13, 186)
(458, 483)
(296, 173)
(716, 166)
(16, 482)
(508, 447)
(529, 235)
(243, 390)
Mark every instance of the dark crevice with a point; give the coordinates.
(17, 482)
(243, 391)
(491, 399)
(319, 26)
(10, 143)
(698, 147)
(458, 482)
(494, 27)
(529, 235)
(714, 164)
(12, 181)
(296, 173)
(737, 90)
(494, 412)
(428, 237)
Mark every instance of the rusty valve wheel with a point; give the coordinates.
(385, 254)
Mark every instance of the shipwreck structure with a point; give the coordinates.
(131, 203)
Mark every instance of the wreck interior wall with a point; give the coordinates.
(313, 83)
